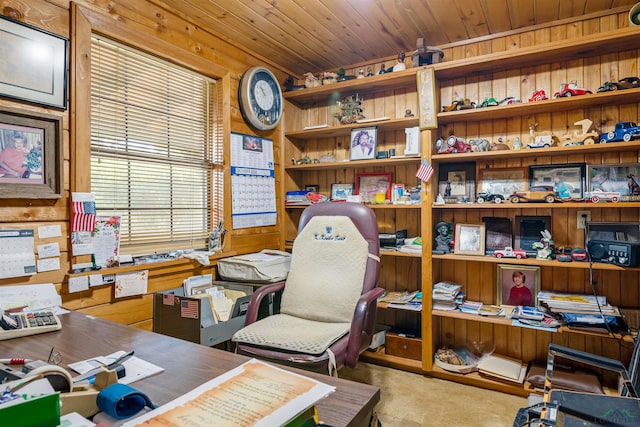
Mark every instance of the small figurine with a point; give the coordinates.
(289, 85)
(479, 144)
(382, 69)
(517, 144)
(311, 80)
(369, 71)
(634, 188)
(408, 113)
(544, 247)
(400, 65)
(361, 74)
(443, 242)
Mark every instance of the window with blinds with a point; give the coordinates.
(156, 149)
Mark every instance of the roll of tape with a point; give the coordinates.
(121, 401)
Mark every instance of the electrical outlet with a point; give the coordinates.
(583, 218)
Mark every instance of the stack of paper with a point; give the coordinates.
(446, 296)
(577, 303)
(197, 284)
(502, 367)
(471, 307)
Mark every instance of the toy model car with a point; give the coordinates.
(510, 100)
(461, 104)
(596, 196)
(542, 193)
(539, 95)
(486, 196)
(509, 252)
(571, 89)
(453, 144)
(579, 254)
(623, 131)
(626, 83)
(488, 102)
(541, 141)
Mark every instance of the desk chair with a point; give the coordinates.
(328, 306)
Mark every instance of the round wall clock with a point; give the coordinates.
(260, 98)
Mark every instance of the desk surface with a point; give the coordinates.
(187, 365)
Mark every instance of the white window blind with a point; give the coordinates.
(156, 149)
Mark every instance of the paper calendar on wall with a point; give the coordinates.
(253, 184)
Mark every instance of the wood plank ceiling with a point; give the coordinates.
(299, 36)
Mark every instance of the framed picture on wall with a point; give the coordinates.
(621, 178)
(363, 143)
(518, 285)
(568, 181)
(501, 182)
(469, 239)
(528, 230)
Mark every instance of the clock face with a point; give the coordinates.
(260, 98)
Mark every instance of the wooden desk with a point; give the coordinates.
(187, 365)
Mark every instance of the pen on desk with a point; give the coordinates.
(120, 360)
(15, 361)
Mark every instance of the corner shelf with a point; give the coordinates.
(355, 164)
(334, 131)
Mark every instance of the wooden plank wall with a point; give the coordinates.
(170, 31)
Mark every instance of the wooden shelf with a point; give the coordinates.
(355, 164)
(500, 320)
(532, 261)
(590, 45)
(548, 106)
(334, 131)
(379, 357)
(387, 252)
(537, 152)
(475, 379)
(365, 86)
(528, 205)
(387, 206)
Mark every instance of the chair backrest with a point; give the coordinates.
(330, 262)
(634, 365)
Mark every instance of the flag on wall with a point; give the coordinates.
(425, 171)
(83, 212)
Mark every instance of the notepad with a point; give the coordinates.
(502, 367)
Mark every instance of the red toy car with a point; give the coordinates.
(509, 252)
(571, 89)
(453, 144)
(539, 95)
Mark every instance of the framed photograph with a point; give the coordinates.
(312, 187)
(427, 101)
(370, 184)
(503, 182)
(528, 231)
(568, 181)
(456, 182)
(41, 78)
(469, 239)
(622, 178)
(499, 233)
(363, 143)
(341, 192)
(518, 285)
(30, 155)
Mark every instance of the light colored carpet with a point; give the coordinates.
(414, 400)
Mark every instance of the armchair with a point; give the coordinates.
(326, 316)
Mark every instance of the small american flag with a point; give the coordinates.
(83, 222)
(189, 308)
(167, 299)
(84, 207)
(425, 170)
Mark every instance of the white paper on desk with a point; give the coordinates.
(33, 297)
(17, 257)
(134, 368)
(255, 393)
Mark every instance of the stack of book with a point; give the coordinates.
(587, 312)
(446, 296)
(296, 198)
(403, 300)
(471, 307)
(535, 317)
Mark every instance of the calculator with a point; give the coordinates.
(14, 325)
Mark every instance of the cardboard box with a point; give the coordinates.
(401, 346)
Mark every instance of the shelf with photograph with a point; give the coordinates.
(395, 161)
(341, 130)
(532, 262)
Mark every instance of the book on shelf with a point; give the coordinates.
(449, 289)
(398, 297)
(502, 367)
(490, 310)
(470, 307)
(524, 312)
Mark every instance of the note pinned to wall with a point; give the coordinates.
(129, 284)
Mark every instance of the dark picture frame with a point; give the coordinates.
(462, 173)
(568, 181)
(40, 174)
(469, 239)
(370, 183)
(363, 143)
(505, 280)
(527, 231)
(341, 192)
(498, 233)
(502, 181)
(622, 178)
(41, 78)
